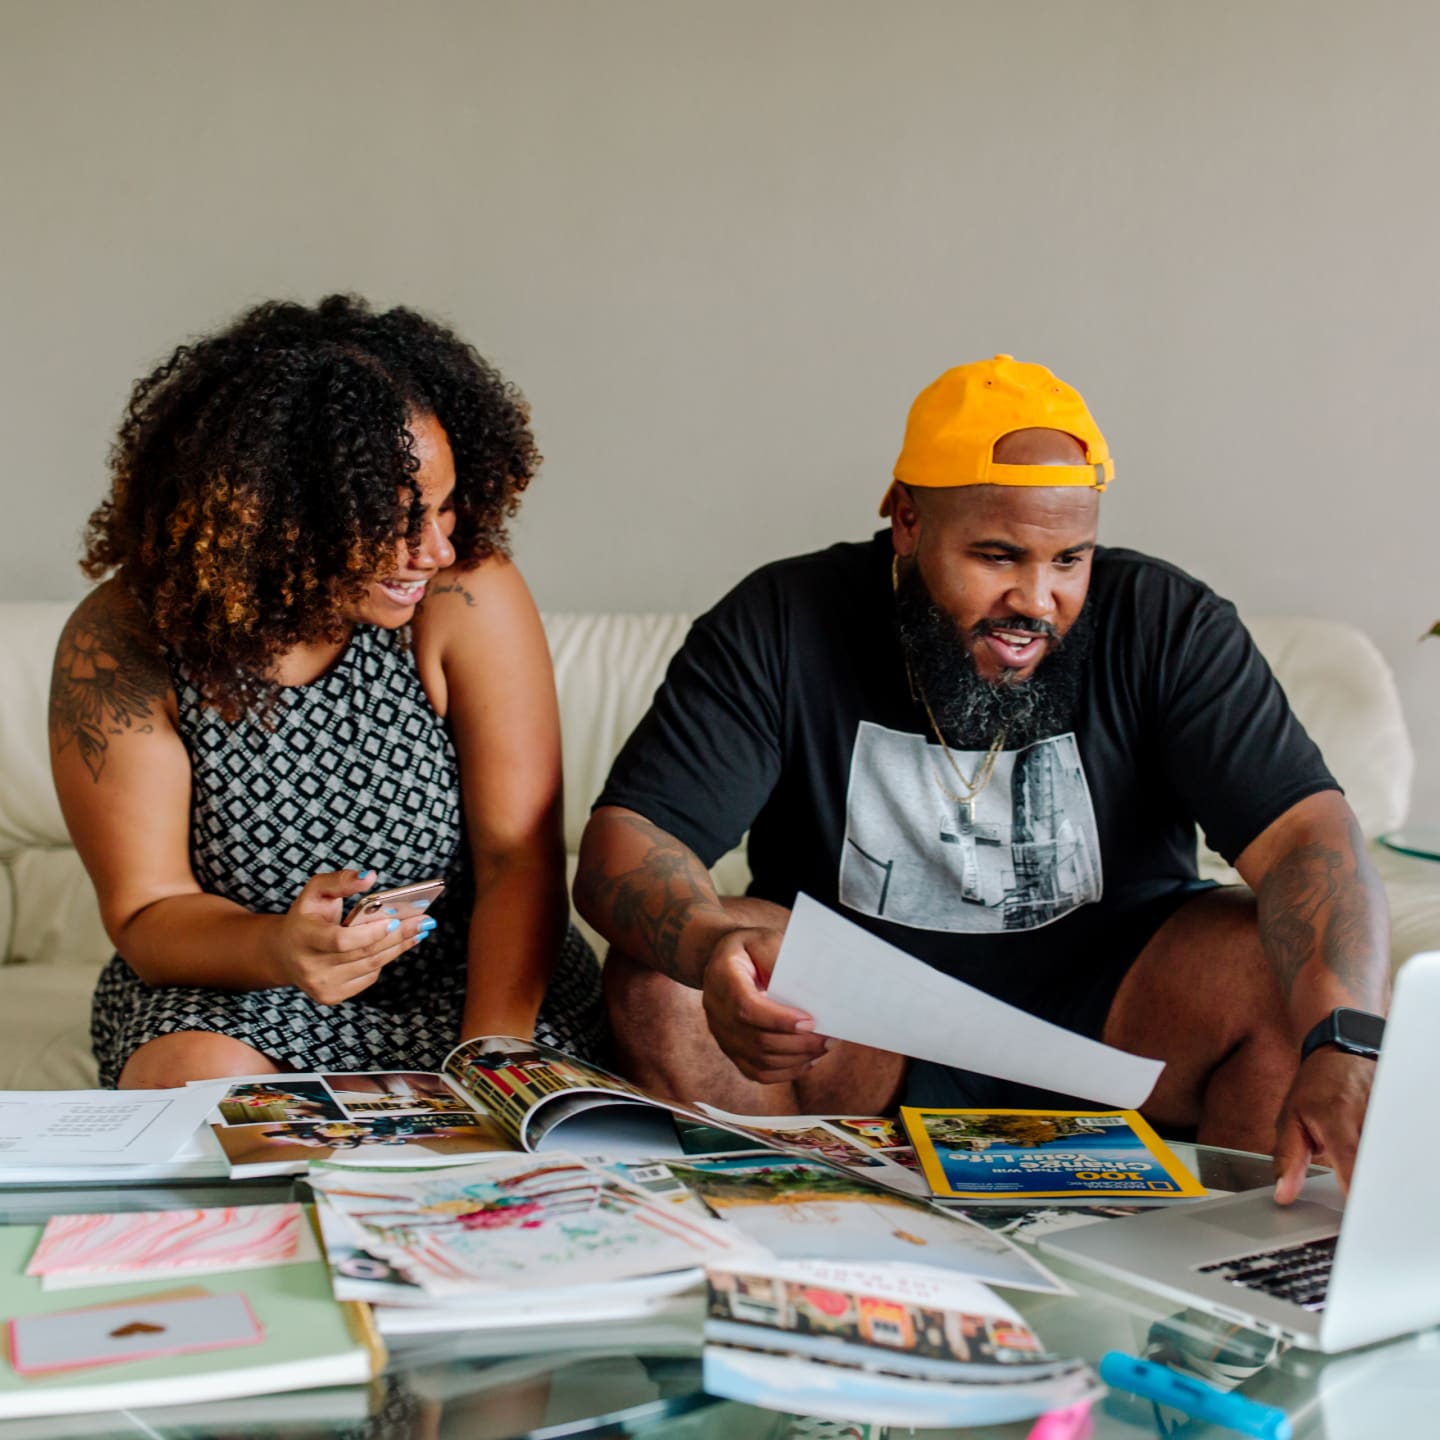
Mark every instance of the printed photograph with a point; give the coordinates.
(1014, 1130)
(820, 1141)
(283, 1100)
(1021, 854)
(882, 1132)
(385, 1137)
(906, 1156)
(395, 1093)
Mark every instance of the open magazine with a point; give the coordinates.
(497, 1093)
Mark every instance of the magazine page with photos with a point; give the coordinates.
(279, 1124)
(1077, 1157)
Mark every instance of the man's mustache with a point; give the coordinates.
(1015, 622)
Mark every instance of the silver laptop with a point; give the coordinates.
(1302, 1272)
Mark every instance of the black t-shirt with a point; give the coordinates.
(787, 712)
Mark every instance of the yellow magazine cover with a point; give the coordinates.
(1016, 1155)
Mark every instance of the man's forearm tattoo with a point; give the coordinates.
(1321, 902)
(650, 906)
(106, 681)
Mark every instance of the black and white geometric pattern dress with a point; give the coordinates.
(354, 769)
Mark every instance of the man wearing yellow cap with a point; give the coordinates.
(989, 740)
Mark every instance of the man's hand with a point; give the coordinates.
(1321, 1119)
(769, 1043)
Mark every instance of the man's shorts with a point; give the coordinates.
(1082, 1008)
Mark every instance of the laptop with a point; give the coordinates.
(1324, 1273)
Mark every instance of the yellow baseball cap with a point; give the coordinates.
(954, 424)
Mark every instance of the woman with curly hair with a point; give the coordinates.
(314, 668)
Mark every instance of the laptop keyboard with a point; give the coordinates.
(1297, 1273)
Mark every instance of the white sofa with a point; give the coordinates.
(607, 667)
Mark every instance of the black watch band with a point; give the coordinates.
(1356, 1032)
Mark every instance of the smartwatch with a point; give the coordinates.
(1356, 1032)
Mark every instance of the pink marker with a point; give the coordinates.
(1073, 1423)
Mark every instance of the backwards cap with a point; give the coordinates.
(954, 424)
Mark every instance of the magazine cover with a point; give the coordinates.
(1077, 1155)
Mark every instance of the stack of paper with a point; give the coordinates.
(885, 1344)
(50, 1137)
(106, 1312)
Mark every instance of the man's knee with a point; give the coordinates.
(636, 995)
(186, 1055)
(1204, 970)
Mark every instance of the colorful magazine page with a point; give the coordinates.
(534, 1090)
(1016, 1155)
(518, 1222)
(898, 1344)
(801, 1209)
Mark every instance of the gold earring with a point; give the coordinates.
(895, 573)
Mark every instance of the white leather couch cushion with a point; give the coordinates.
(29, 811)
(1342, 689)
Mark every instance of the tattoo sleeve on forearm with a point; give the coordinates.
(647, 909)
(1323, 902)
(106, 681)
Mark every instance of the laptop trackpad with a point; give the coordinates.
(1258, 1217)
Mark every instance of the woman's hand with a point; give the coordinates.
(329, 961)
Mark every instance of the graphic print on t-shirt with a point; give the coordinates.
(1023, 853)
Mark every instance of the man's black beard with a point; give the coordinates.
(970, 710)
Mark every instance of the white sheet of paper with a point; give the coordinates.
(860, 988)
(101, 1127)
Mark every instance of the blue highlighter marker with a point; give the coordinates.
(1193, 1397)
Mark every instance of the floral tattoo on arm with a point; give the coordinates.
(107, 681)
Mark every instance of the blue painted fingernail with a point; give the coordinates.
(391, 910)
(366, 874)
(393, 926)
(426, 925)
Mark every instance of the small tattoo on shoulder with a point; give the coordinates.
(453, 587)
(107, 680)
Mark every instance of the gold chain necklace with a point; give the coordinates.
(975, 784)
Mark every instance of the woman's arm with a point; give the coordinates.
(123, 777)
(499, 701)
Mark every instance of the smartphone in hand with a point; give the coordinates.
(404, 900)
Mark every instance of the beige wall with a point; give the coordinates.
(721, 245)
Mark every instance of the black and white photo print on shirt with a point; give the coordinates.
(1022, 853)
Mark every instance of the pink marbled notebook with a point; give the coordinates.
(100, 1249)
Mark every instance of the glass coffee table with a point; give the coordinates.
(645, 1380)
